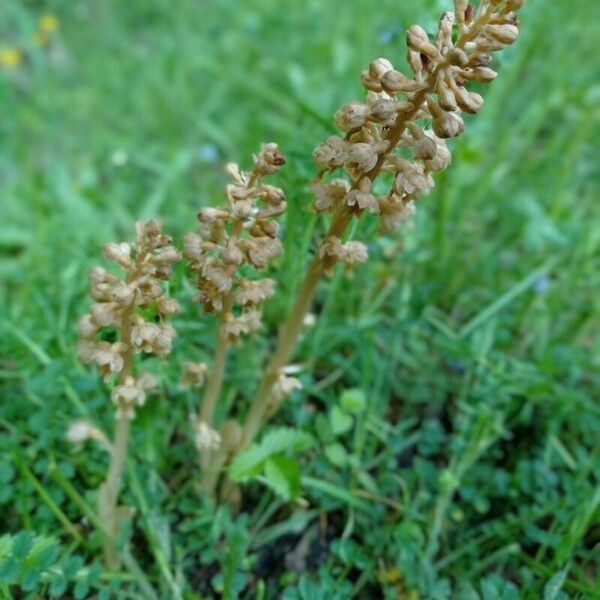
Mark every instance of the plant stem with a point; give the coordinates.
(109, 491)
(289, 333)
(262, 406)
(217, 372)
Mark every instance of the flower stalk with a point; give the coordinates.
(390, 120)
(235, 240)
(146, 264)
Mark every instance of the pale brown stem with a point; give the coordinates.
(215, 380)
(109, 499)
(289, 333)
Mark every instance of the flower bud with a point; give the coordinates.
(384, 111)
(232, 255)
(445, 124)
(446, 97)
(351, 116)
(469, 102)
(331, 153)
(208, 214)
(271, 194)
(481, 74)
(395, 81)
(506, 34)
(167, 306)
(379, 67)
(269, 159)
(119, 253)
(87, 328)
(457, 57)
(80, 431)
(167, 255)
(514, 5)
(193, 373)
(418, 41)
(441, 160)
(460, 8)
(373, 85)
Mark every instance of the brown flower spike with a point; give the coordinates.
(146, 264)
(235, 241)
(401, 128)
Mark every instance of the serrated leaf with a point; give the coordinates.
(340, 421)
(30, 579)
(9, 570)
(555, 584)
(282, 475)
(81, 590)
(72, 565)
(22, 544)
(58, 586)
(5, 546)
(44, 552)
(94, 574)
(353, 401)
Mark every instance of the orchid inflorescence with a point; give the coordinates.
(399, 130)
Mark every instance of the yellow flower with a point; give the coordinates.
(10, 58)
(48, 23)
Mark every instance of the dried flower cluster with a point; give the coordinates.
(235, 241)
(385, 133)
(146, 264)
(400, 129)
(118, 308)
(235, 235)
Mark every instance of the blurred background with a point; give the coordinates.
(476, 327)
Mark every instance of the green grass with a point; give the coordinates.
(473, 471)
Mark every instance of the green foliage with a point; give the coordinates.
(267, 461)
(463, 356)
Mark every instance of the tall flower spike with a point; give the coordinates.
(124, 305)
(235, 241)
(376, 137)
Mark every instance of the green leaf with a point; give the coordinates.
(30, 579)
(9, 570)
(341, 422)
(58, 586)
(5, 546)
(250, 463)
(353, 401)
(81, 590)
(555, 584)
(336, 454)
(282, 475)
(7, 472)
(22, 544)
(72, 565)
